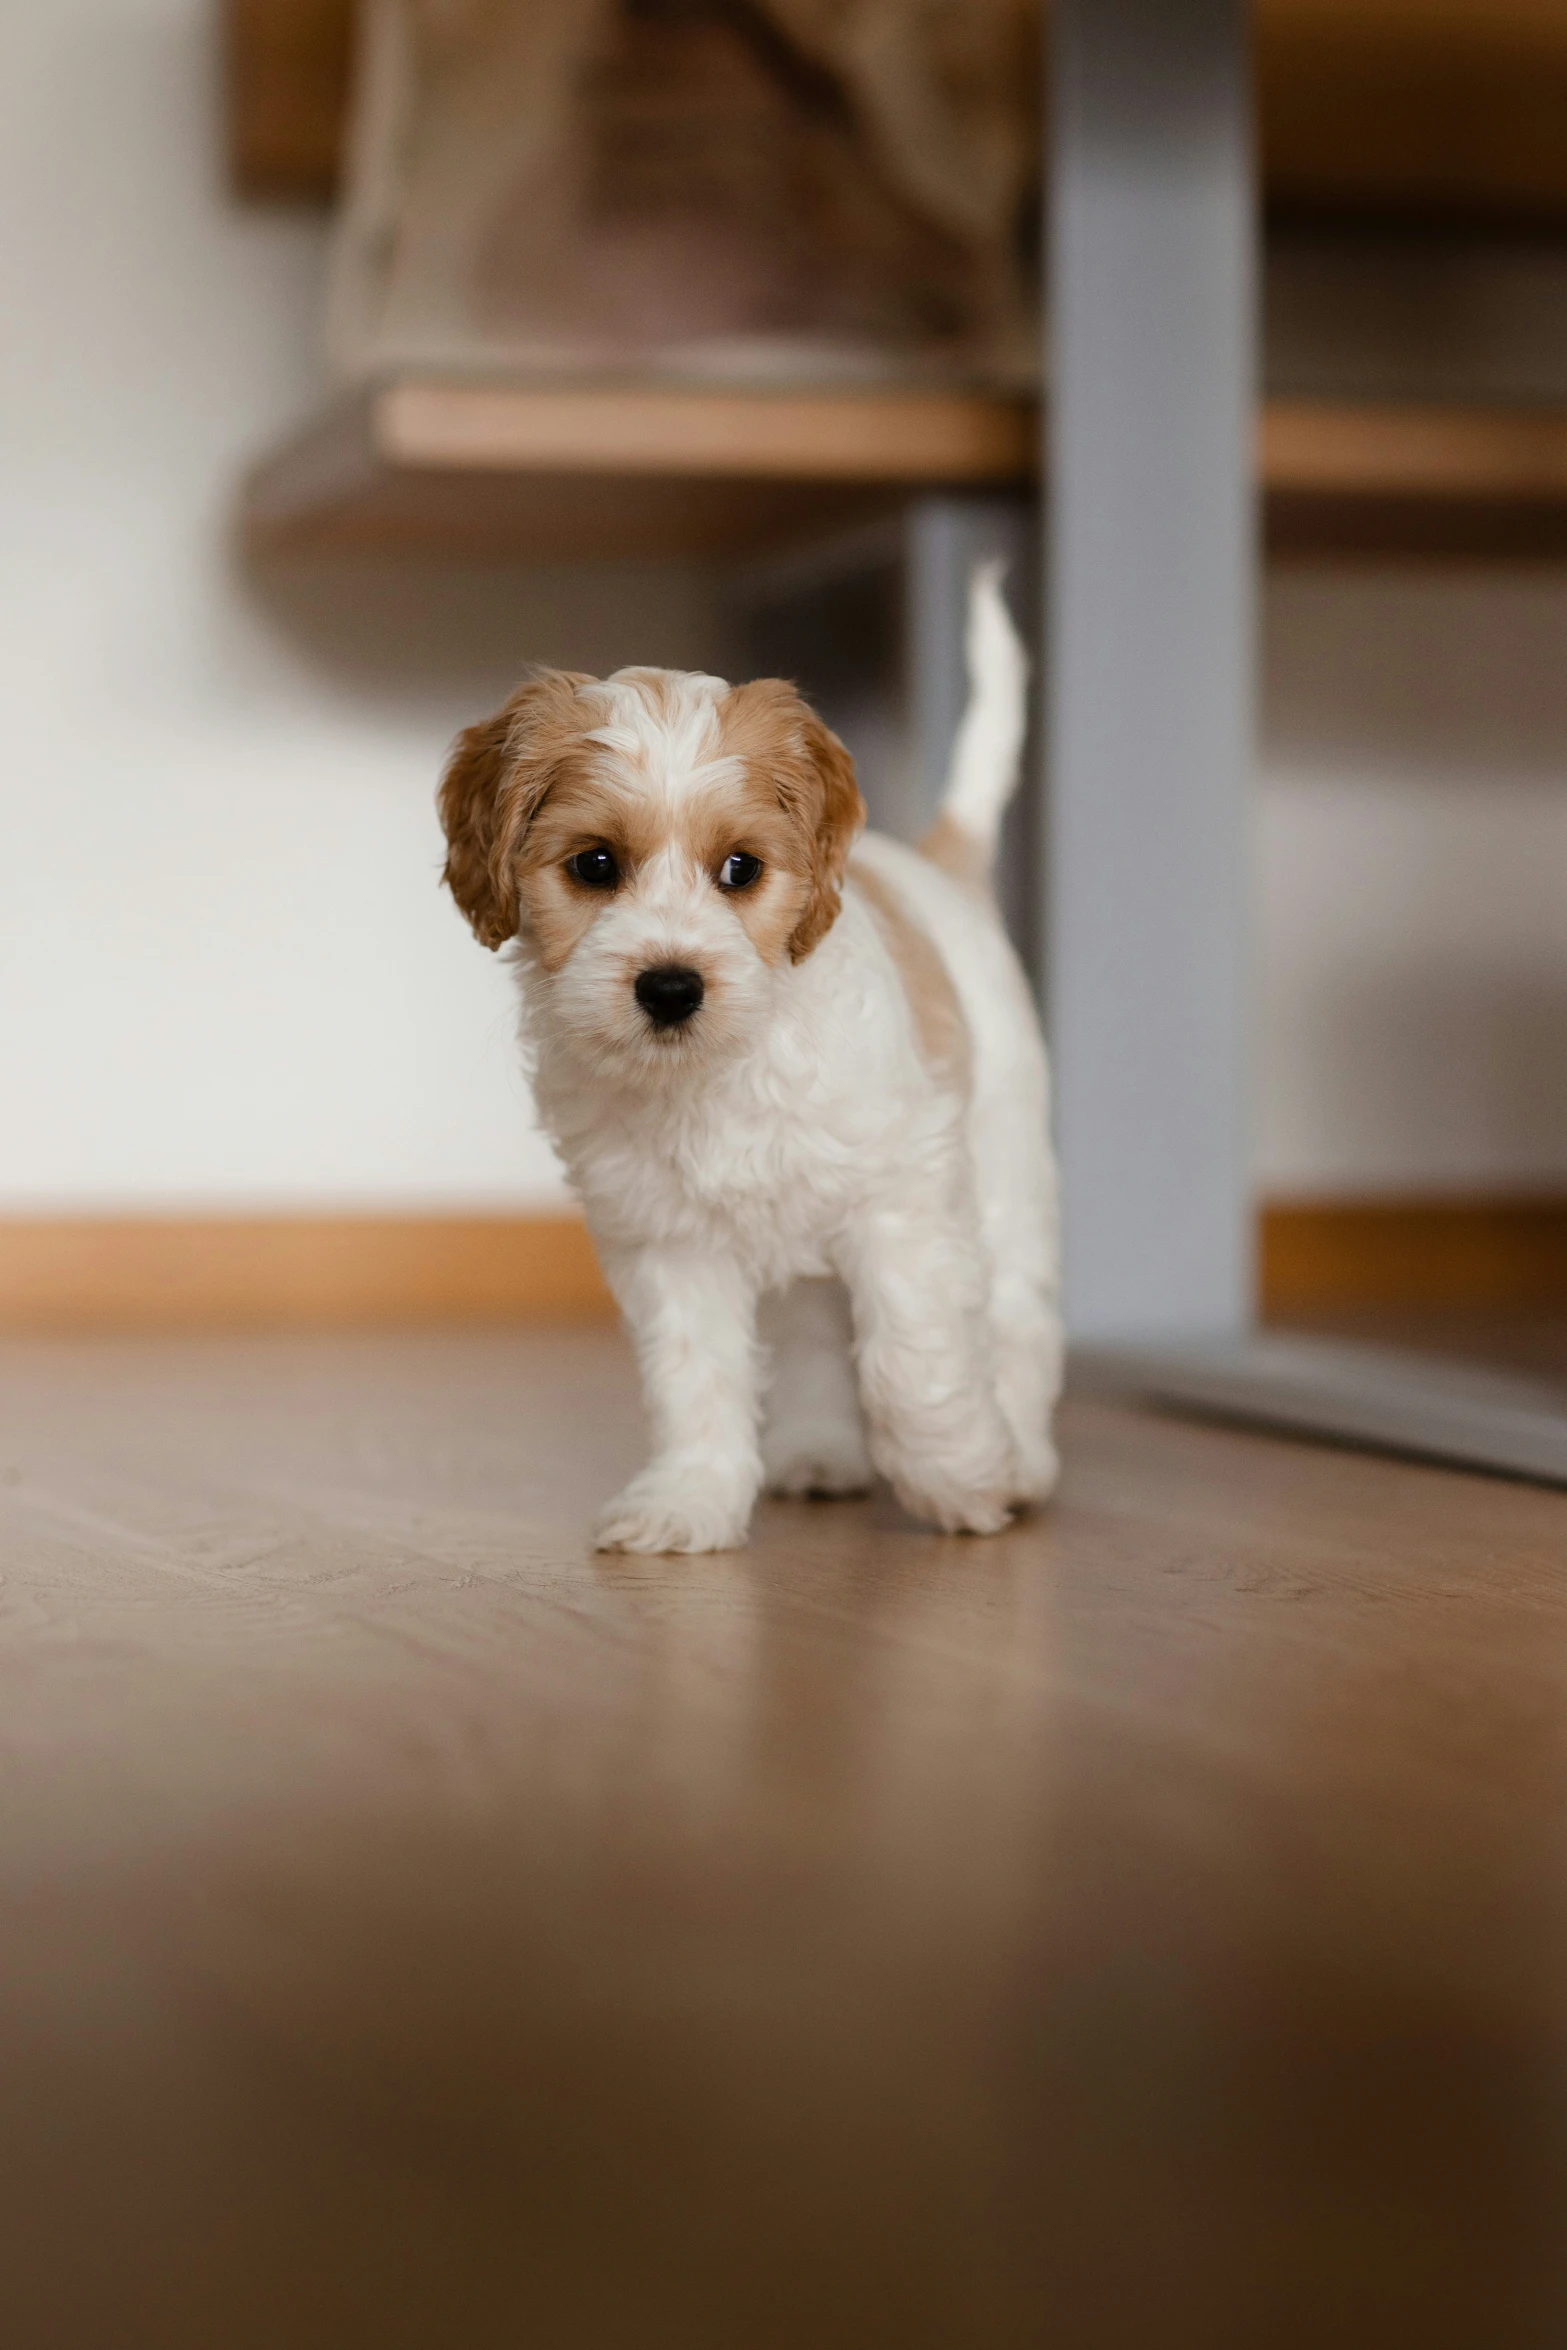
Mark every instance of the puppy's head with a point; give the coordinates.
(663, 847)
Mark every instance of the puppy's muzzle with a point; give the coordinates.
(669, 993)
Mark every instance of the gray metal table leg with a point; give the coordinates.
(1150, 657)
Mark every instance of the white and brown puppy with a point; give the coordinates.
(797, 1082)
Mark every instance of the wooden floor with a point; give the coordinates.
(1146, 1928)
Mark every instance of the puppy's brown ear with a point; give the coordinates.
(829, 805)
(495, 783)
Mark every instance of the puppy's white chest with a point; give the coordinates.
(763, 1182)
(767, 1176)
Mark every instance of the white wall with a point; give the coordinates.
(1412, 857)
(226, 972)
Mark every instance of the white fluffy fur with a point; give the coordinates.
(801, 1222)
(985, 756)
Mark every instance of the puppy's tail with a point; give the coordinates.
(985, 758)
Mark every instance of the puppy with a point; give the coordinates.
(796, 1080)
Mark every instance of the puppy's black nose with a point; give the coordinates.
(669, 994)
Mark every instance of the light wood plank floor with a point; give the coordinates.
(1149, 1927)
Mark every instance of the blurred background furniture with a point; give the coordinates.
(1412, 373)
(1391, 133)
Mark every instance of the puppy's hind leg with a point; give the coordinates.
(1028, 1345)
(813, 1438)
(926, 1360)
(1021, 1224)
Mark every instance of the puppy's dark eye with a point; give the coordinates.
(739, 871)
(594, 868)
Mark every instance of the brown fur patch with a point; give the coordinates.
(495, 782)
(958, 853)
(809, 775)
(524, 791)
(654, 687)
(745, 818)
(939, 1025)
(588, 810)
(584, 810)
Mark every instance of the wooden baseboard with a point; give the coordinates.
(255, 1272)
(1320, 1255)
(231, 1272)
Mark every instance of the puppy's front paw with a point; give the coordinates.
(825, 1458)
(662, 1511)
